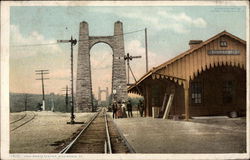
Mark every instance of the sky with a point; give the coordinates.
(34, 31)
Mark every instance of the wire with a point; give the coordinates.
(132, 32)
(55, 43)
(120, 34)
(33, 45)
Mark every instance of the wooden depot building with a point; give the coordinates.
(209, 79)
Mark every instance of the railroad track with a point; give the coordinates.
(99, 135)
(19, 118)
(22, 121)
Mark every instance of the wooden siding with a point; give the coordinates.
(195, 64)
(189, 66)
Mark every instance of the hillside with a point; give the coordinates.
(17, 102)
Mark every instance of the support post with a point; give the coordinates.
(72, 43)
(186, 99)
(148, 104)
(146, 49)
(66, 98)
(42, 72)
(84, 98)
(72, 117)
(129, 58)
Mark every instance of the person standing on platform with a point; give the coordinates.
(129, 108)
(114, 108)
(141, 107)
(124, 114)
(119, 109)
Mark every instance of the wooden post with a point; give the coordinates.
(186, 99)
(145, 97)
(147, 101)
(146, 49)
(146, 106)
(167, 110)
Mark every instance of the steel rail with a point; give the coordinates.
(107, 133)
(131, 149)
(34, 115)
(65, 150)
(19, 118)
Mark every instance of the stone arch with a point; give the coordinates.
(84, 97)
(105, 52)
(107, 40)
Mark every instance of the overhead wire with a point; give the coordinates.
(42, 44)
(55, 43)
(132, 32)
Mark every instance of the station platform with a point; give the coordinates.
(154, 135)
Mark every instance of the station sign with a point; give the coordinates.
(223, 52)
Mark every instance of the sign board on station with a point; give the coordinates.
(223, 52)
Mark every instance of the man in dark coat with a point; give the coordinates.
(129, 108)
(141, 107)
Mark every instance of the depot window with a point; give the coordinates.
(223, 43)
(196, 92)
(227, 92)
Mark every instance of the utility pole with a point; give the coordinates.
(52, 102)
(66, 97)
(129, 58)
(73, 43)
(42, 72)
(146, 49)
(26, 98)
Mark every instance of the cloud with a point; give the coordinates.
(26, 57)
(99, 60)
(183, 18)
(162, 19)
(101, 68)
(101, 64)
(26, 46)
(61, 74)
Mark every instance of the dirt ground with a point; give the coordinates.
(40, 134)
(16, 116)
(149, 135)
(145, 135)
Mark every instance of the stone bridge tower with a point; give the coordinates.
(106, 91)
(84, 96)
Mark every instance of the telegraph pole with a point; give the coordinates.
(66, 97)
(52, 102)
(42, 72)
(146, 49)
(73, 43)
(129, 58)
(26, 98)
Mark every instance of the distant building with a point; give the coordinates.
(208, 79)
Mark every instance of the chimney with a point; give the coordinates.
(194, 43)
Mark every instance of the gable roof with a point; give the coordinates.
(198, 47)
(189, 51)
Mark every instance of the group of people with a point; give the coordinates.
(119, 109)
